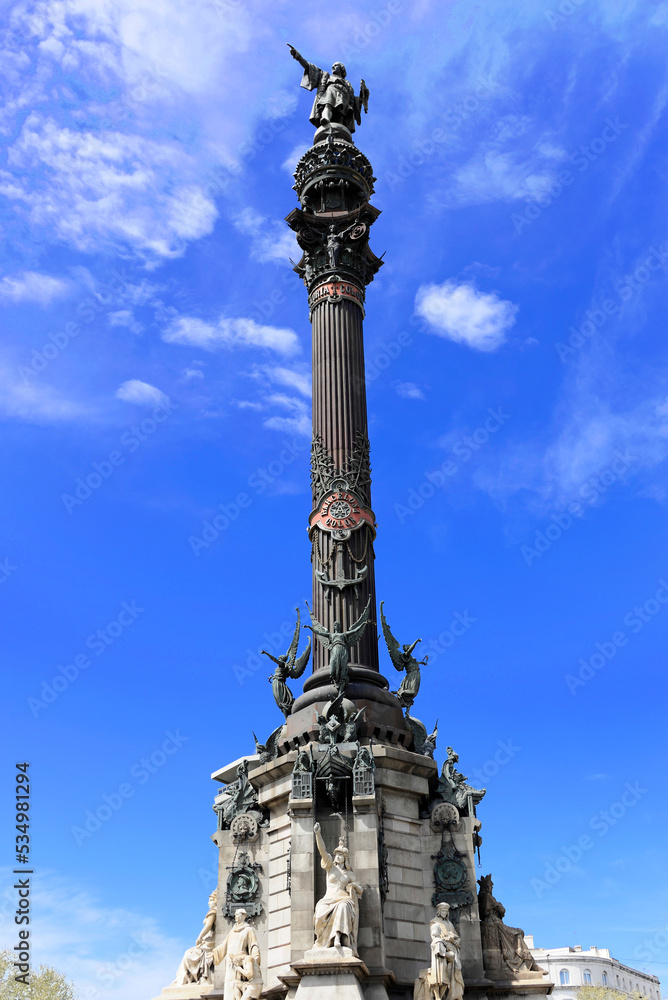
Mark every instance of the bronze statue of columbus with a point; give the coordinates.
(335, 100)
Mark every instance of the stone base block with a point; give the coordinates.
(330, 986)
(194, 991)
(334, 973)
(526, 986)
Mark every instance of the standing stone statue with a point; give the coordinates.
(443, 980)
(197, 963)
(241, 954)
(504, 949)
(288, 665)
(335, 99)
(340, 644)
(402, 659)
(337, 913)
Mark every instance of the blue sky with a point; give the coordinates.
(155, 342)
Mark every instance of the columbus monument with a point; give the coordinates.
(346, 857)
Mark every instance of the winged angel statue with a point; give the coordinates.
(340, 644)
(403, 659)
(288, 665)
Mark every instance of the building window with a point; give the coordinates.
(586, 977)
(564, 978)
(618, 980)
(605, 978)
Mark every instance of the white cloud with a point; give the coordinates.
(31, 286)
(188, 374)
(125, 317)
(290, 425)
(606, 440)
(135, 107)
(301, 381)
(294, 156)
(247, 404)
(270, 240)
(409, 390)
(141, 393)
(34, 400)
(493, 175)
(230, 333)
(107, 188)
(465, 315)
(110, 953)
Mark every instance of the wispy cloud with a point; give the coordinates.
(409, 390)
(125, 317)
(299, 380)
(110, 953)
(107, 189)
(31, 286)
(230, 333)
(141, 393)
(461, 313)
(35, 400)
(270, 240)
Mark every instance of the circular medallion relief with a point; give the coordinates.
(244, 827)
(444, 814)
(340, 509)
(451, 874)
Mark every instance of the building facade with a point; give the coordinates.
(572, 967)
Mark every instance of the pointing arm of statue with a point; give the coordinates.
(296, 55)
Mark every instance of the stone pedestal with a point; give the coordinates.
(326, 973)
(194, 991)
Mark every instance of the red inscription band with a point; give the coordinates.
(334, 290)
(340, 509)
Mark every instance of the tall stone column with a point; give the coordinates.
(334, 184)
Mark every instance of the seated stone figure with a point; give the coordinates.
(197, 963)
(504, 949)
(337, 913)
